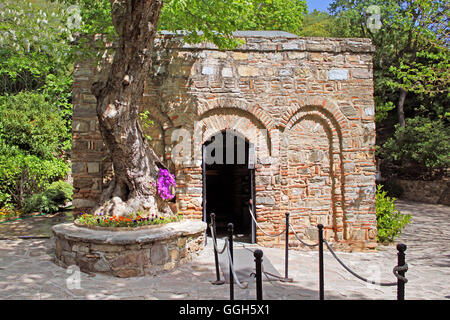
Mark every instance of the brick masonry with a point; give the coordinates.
(305, 103)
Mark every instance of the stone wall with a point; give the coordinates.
(305, 103)
(128, 254)
(436, 192)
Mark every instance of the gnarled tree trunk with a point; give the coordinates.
(134, 162)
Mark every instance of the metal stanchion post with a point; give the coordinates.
(216, 256)
(258, 266)
(321, 280)
(401, 262)
(286, 254)
(230, 243)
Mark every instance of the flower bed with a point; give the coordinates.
(7, 214)
(131, 221)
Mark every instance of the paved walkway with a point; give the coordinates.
(27, 270)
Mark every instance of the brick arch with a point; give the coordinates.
(329, 109)
(336, 138)
(243, 122)
(232, 103)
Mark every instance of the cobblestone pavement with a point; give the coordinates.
(27, 270)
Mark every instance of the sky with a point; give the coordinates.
(320, 5)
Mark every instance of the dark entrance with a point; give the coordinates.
(228, 174)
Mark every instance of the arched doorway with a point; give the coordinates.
(228, 183)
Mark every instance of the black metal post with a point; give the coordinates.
(216, 256)
(230, 242)
(286, 252)
(401, 262)
(204, 189)
(258, 266)
(321, 280)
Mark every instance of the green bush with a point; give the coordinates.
(33, 140)
(50, 200)
(422, 141)
(22, 175)
(33, 124)
(390, 221)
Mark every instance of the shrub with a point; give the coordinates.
(390, 221)
(22, 175)
(33, 124)
(50, 200)
(33, 138)
(422, 141)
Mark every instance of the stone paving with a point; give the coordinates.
(27, 270)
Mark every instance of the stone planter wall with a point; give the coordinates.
(128, 253)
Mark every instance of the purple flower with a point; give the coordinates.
(164, 182)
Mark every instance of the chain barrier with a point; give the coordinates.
(400, 268)
(228, 245)
(301, 241)
(230, 262)
(267, 234)
(383, 284)
(398, 271)
(215, 240)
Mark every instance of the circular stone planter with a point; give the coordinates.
(129, 253)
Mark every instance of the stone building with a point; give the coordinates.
(302, 109)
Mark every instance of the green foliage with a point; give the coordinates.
(429, 74)
(50, 200)
(35, 92)
(411, 42)
(284, 15)
(205, 20)
(382, 109)
(411, 56)
(421, 141)
(33, 124)
(95, 16)
(22, 174)
(33, 44)
(33, 136)
(211, 16)
(318, 24)
(390, 222)
(146, 122)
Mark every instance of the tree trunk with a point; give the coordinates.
(400, 111)
(134, 162)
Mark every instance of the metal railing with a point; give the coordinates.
(228, 247)
(399, 270)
